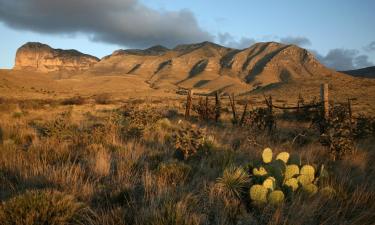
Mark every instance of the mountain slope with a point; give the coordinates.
(368, 72)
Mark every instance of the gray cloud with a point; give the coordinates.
(344, 59)
(124, 22)
(229, 41)
(300, 41)
(370, 47)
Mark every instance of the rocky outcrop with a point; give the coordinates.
(39, 57)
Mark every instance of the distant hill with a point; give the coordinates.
(368, 72)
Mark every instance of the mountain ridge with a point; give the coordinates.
(189, 65)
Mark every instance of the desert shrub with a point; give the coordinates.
(135, 120)
(204, 109)
(102, 99)
(188, 140)
(43, 207)
(76, 100)
(259, 118)
(337, 132)
(364, 127)
(59, 128)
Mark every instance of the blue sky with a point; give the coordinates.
(340, 33)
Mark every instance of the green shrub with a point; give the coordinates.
(43, 207)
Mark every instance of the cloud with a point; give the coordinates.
(370, 47)
(124, 22)
(300, 41)
(344, 59)
(229, 41)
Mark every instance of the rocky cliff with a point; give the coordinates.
(42, 58)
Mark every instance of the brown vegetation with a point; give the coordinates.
(117, 164)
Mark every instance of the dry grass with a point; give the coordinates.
(126, 179)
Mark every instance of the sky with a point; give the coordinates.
(341, 33)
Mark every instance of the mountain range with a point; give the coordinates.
(206, 65)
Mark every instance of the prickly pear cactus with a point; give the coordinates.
(258, 193)
(291, 171)
(276, 197)
(269, 183)
(283, 156)
(310, 189)
(292, 183)
(267, 155)
(272, 179)
(328, 191)
(261, 171)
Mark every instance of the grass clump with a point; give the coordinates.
(43, 207)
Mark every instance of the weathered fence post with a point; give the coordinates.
(350, 115)
(233, 106)
(217, 107)
(189, 102)
(206, 109)
(244, 114)
(324, 99)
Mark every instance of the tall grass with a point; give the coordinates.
(123, 179)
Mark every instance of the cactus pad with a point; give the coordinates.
(292, 183)
(310, 189)
(267, 155)
(284, 156)
(260, 171)
(258, 193)
(308, 171)
(269, 183)
(328, 191)
(290, 171)
(304, 179)
(276, 197)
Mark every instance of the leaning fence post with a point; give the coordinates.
(233, 106)
(244, 114)
(217, 106)
(189, 103)
(324, 99)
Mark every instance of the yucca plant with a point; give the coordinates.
(233, 182)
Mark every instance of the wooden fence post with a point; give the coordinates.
(217, 107)
(189, 102)
(233, 106)
(244, 114)
(350, 115)
(206, 109)
(324, 99)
